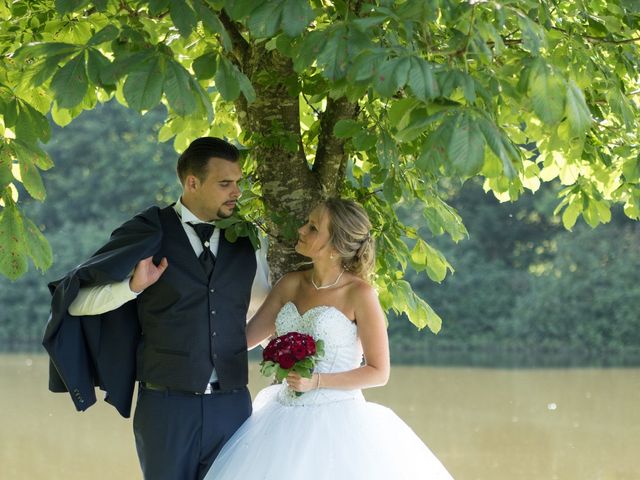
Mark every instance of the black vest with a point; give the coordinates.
(190, 324)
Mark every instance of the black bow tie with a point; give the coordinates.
(204, 232)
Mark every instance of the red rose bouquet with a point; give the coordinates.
(292, 351)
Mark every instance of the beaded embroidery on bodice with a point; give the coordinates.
(342, 348)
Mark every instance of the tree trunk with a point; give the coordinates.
(291, 185)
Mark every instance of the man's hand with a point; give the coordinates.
(147, 273)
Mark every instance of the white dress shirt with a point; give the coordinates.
(105, 298)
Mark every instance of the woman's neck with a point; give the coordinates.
(326, 273)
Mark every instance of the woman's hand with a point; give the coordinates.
(301, 384)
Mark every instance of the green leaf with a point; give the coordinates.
(67, 6)
(392, 76)
(441, 217)
(533, 37)
(70, 84)
(226, 80)
(466, 146)
(34, 153)
(417, 310)
(577, 110)
(400, 110)
(97, 65)
(631, 170)
(335, 54)
(13, 258)
(156, 7)
(107, 34)
(547, 92)
(9, 112)
(6, 163)
(31, 179)
(309, 49)
(296, 15)
(179, 90)
(31, 125)
(421, 79)
(211, 21)
(183, 16)
(205, 65)
(245, 87)
(366, 65)
(571, 213)
(434, 149)
(143, 87)
(386, 150)
(500, 145)
(364, 141)
(37, 246)
(419, 255)
(418, 123)
(436, 264)
(346, 128)
(265, 19)
(281, 373)
(238, 9)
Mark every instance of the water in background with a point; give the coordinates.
(484, 424)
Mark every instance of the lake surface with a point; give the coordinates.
(484, 424)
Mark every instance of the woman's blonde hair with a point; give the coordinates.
(350, 235)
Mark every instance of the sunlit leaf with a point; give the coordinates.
(13, 257)
(577, 110)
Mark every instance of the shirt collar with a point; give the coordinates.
(186, 215)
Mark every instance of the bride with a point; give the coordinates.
(330, 432)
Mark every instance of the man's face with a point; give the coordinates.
(215, 197)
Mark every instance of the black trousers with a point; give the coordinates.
(178, 435)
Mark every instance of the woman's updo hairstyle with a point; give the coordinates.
(350, 235)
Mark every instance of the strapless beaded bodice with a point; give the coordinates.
(342, 348)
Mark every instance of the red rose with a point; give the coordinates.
(299, 352)
(286, 360)
(311, 348)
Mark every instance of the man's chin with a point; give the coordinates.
(226, 213)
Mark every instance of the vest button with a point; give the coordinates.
(214, 334)
(213, 312)
(212, 290)
(215, 355)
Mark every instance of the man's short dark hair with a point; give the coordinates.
(195, 158)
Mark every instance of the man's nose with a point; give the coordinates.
(237, 193)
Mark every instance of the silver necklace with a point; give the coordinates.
(322, 287)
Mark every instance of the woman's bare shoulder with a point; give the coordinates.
(290, 282)
(361, 290)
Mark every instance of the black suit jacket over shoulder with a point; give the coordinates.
(100, 350)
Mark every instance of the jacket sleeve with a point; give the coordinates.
(100, 350)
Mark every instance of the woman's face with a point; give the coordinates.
(313, 236)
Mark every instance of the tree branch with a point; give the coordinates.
(593, 39)
(240, 45)
(330, 161)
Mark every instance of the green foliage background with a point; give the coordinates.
(525, 290)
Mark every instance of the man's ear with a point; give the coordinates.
(191, 182)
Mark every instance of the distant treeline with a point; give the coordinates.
(525, 291)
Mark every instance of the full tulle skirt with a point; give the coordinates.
(344, 437)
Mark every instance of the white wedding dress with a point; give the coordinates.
(324, 434)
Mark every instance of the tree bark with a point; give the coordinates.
(291, 185)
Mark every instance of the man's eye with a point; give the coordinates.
(225, 184)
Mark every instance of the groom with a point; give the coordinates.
(165, 302)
